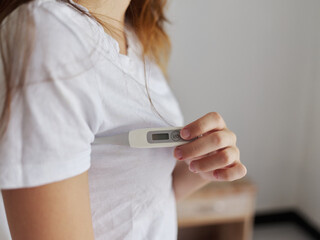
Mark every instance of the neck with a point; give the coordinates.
(110, 11)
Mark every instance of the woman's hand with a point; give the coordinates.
(214, 154)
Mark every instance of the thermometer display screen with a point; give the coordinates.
(160, 136)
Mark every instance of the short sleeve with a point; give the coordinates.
(50, 129)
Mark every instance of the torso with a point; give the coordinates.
(131, 193)
(131, 189)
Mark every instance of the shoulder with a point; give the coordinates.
(61, 36)
(48, 13)
(53, 15)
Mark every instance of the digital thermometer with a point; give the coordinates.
(146, 138)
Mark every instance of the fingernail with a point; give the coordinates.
(192, 168)
(185, 133)
(178, 153)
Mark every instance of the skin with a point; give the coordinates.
(113, 13)
(213, 156)
(61, 210)
(55, 211)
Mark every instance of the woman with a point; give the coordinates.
(73, 71)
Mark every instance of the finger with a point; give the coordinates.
(202, 156)
(237, 171)
(210, 121)
(221, 159)
(205, 144)
(189, 160)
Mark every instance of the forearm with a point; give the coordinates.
(185, 182)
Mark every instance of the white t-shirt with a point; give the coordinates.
(79, 86)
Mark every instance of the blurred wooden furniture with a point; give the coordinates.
(220, 210)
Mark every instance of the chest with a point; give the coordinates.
(125, 99)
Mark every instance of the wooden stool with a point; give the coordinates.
(220, 210)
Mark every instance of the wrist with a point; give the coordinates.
(201, 175)
(186, 182)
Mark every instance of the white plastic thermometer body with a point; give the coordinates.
(156, 137)
(146, 138)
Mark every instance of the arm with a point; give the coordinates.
(213, 156)
(59, 210)
(185, 182)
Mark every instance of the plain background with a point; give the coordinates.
(257, 63)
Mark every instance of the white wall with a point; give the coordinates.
(309, 195)
(252, 61)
